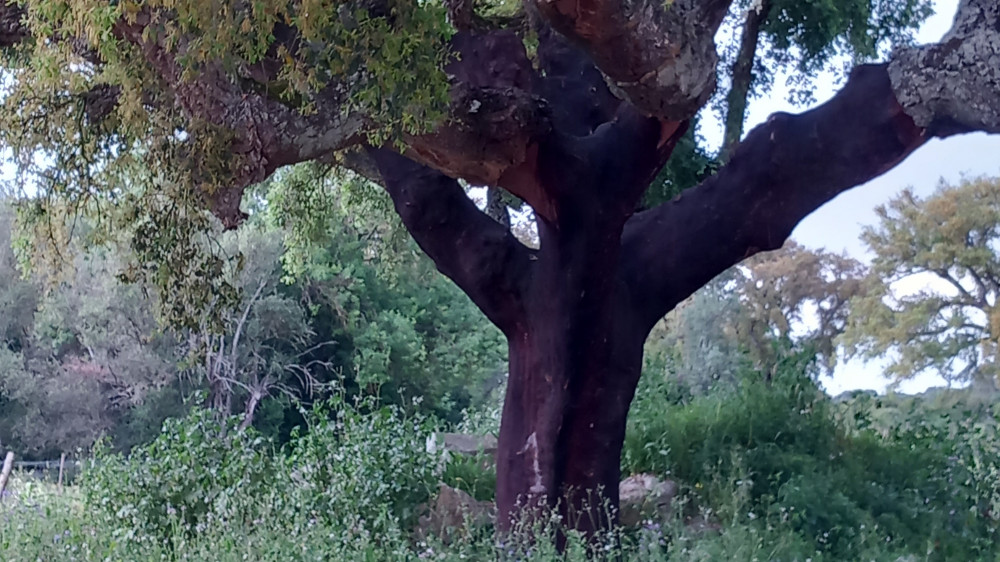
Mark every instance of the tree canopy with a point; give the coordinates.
(931, 301)
(756, 314)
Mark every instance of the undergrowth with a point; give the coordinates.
(766, 471)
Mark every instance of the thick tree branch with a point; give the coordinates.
(783, 170)
(660, 56)
(954, 86)
(482, 257)
(267, 134)
(791, 165)
(499, 116)
(494, 116)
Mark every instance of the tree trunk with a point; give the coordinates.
(571, 382)
(575, 342)
(575, 356)
(577, 310)
(742, 77)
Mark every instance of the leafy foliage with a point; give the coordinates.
(401, 328)
(816, 31)
(752, 314)
(785, 473)
(921, 485)
(948, 244)
(197, 473)
(688, 166)
(88, 356)
(803, 38)
(95, 128)
(352, 471)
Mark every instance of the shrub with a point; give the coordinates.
(924, 487)
(199, 472)
(360, 472)
(363, 468)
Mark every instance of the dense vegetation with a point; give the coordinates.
(774, 471)
(301, 426)
(347, 306)
(150, 121)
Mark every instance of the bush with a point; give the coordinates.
(358, 474)
(779, 470)
(199, 472)
(363, 468)
(829, 478)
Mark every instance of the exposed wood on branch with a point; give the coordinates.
(660, 56)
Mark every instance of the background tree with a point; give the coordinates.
(931, 300)
(573, 110)
(796, 295)
(399, 330)
(789, 300)
(259, 353)
(90, 351)
(696, 344)
(363, 311)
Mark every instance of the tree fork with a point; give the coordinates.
(572, 345)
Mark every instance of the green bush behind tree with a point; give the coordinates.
(84, 355)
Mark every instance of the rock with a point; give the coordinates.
(452, 514)
(464, 444)
(644, 496)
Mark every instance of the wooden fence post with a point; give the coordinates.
(62, 467)
(8, 465)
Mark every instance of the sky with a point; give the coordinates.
(837, 225)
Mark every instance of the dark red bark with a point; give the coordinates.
(575, 355)
(782, 171)
(577, 311)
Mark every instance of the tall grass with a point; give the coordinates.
(766, 471)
